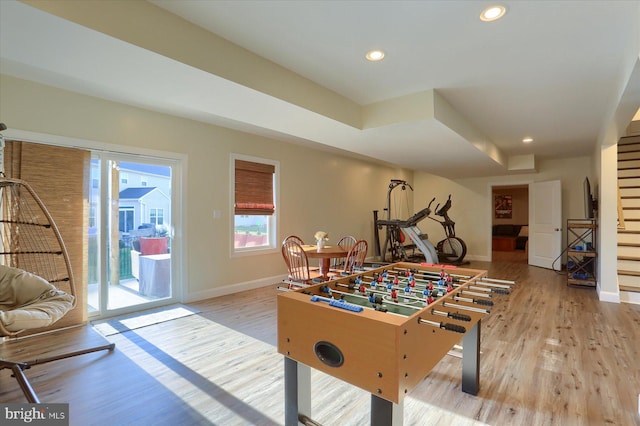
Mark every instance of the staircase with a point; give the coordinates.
(629, 214)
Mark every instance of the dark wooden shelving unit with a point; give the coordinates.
(581, 252)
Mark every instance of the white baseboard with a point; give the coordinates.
(478, 258)
(234, 288)
(629, 297)
(607, 296)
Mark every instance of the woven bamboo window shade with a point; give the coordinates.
(254, 188)
(59, 176)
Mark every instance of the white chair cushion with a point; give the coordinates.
(29, 301)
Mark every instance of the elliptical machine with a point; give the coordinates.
(452, 249)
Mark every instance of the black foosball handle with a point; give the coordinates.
(454, 327)
(460, 317)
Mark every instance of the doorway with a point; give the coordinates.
(130, 234)
(510, 223)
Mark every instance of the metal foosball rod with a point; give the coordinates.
(397, 287)
(373, 308)
(418, 282)
(433, 274)
(473, 293)
(375, 287)
(417, 308)
(496, 288)
(401, 288)
(495, 280)
(484, 298)
(435, 278)
(291, 285)
(476, 288)
(471, 300)
(444, 325)
(465, 307)
(454, 315)
(441, 291)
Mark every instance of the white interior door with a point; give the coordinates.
(545, 224)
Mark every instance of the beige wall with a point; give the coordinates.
(472, 201)
(318, 190)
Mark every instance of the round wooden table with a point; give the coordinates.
(325, 255)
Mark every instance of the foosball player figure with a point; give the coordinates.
(385, 274)
(362, 289)
(375, 300)
(448, 278)
(449, 287)
(394, 295)
(407, 292)
(372, 298)
(432, 297)
(430, 285)
(326, 290)
(373, 284)
(380, 279)
(441, 282)
(412, 281)
(389, 286)
(396, 281)
(442, 273)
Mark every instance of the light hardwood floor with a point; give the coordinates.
(551, 355)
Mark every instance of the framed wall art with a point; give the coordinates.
(503, 206)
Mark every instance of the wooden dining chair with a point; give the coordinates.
(301, 242)
(356, 256)
(298, 262)
(347, 242)
(294, 238)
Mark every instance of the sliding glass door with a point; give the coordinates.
(130, 233)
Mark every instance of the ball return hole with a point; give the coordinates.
(328, 353)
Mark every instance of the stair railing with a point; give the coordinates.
(621, 224)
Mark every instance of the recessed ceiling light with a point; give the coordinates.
(374, 55)
(493, 13)
(527, 140)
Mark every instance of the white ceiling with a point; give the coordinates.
(551, 70)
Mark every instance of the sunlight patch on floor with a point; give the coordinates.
(221, 374)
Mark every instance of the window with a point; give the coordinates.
(254, 195)
(156, 216)
(144, 181)
(125, 221)
(124, 178)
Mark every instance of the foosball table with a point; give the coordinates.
(382, 329)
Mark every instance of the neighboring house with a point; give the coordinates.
(139, 175)
(144, 195)
(138, 206)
